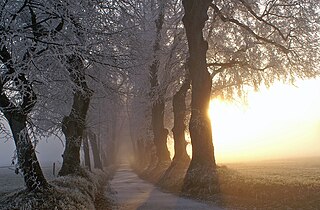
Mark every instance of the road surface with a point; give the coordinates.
(134, 193)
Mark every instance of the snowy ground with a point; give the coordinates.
(134, 193)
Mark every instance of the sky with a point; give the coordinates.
(280, 122)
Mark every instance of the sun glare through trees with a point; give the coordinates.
(280, 122)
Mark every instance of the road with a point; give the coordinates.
(134, 193)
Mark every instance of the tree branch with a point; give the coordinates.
(248, 29)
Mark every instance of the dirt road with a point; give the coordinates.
(134, 193)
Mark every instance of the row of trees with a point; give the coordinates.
(218, 48)
(67, 66)
(56, 58)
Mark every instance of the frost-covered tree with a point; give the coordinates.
(46, 50)
(247, 43)
(201, 170)
(263, 41)
(160, 133)
(23, 42)
(161, 63)
(139, 17)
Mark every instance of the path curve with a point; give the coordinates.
(134, 193)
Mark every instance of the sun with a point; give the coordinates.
(282, 121)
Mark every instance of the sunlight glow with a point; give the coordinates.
(280, 122)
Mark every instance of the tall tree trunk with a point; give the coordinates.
(179, 113)
(160, 133)
(181, 159)
(86, 151)
(27, 159)
(74, 124)
(200, 176)
(95, 150)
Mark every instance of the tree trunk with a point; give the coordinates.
(151, 161)
(17, 117)
(27, 159)
(160, 133)
(74, 124)
(181, 158)
(86, 151)
(179, 113)
(201, 175)
(95, 150)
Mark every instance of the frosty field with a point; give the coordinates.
(276, 184)
(303, 170)
(10, 181)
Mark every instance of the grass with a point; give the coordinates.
(283, 184)
(68, 192)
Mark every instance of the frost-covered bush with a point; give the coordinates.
(66, 193)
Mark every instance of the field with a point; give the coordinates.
(10, 181)
(276, 184)
(304, 170)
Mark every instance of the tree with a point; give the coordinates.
(16, 114)
(143, 19)
(179, 128)
(22, 42)
(255, 43)
(160, 133)
(201, 171)
(73, 125)
(250, 43)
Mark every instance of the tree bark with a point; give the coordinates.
(181, 158)
(27, 159)
(179, 113)
(200, 176)
(74, 124)
(160, 133)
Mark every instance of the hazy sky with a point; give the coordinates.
(48, 151)
(281, 122)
